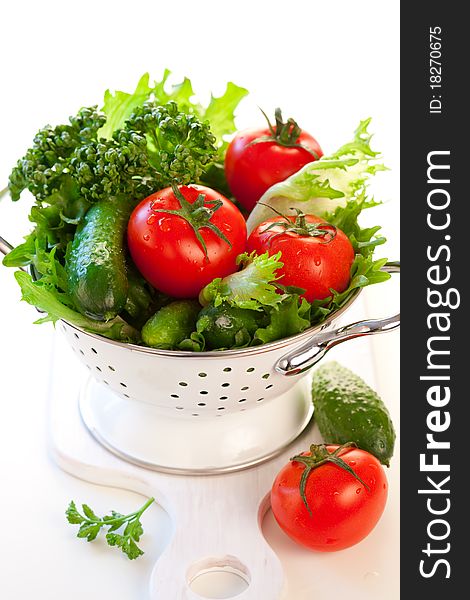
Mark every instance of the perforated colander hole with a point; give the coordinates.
(242, 400)
(250, 370)
(182, 383)
(225, 384)
(82, 353)
(94, 351)
(223, 398)
(269, 386)
(179, 408)
(204, 392)
(104, 381)
(111, 368)
(76, 336)
(202, 374)
(266, 376)
(126, 396)
(227, 369)
(201, 404)
(195, 415)
(174, 396)
(123, 384)
(244, 388)
(260, 400)
(98, 369)
(221, 408)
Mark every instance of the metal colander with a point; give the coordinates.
(166, 393)
(197, 384)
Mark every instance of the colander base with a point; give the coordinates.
(140, 434)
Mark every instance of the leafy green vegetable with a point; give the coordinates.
(323, 185)
(119, 107)
(288, 318)
(140, 143)
(91, 524)
(252, 287)
(56, 304)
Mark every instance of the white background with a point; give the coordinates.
(327, 64)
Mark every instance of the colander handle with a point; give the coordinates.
(305, 357)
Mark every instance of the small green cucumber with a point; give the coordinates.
(348, 410)
(227, 326)
(171, 324)
(96, 264)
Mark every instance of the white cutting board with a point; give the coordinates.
(217, 519)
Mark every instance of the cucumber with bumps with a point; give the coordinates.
(348, 410)
(96, 264)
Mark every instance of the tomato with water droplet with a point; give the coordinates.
(337, 510)
(317, 256)
(182, 238)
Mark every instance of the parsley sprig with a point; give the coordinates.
(91, 524)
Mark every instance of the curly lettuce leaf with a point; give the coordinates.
(288, 318)
(252, 287)
(325, 184)
(345, 218)
(119, 106)
(48, 299)
(221, 110)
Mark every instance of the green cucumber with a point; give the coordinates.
(227, 326)
(348, 410)
(96, 264)
(171, 324)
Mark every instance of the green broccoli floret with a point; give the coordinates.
(180, 146)
(119, 166)
(44, 165)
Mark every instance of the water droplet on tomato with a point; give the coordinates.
(151, 219)
(146, 237)
(165, 225)
(358, 491)
(227, 227)
(352, 463)
(335, 493)
(317, 262)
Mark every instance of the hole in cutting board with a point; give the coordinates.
(218, 579)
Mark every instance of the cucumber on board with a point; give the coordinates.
(348, 410)
(96, 264)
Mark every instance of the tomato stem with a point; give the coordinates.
(318, 456)
(285, 134)
(301, 226)
(197, 215)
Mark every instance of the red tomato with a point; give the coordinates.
(343, 510)
(252, 168)
(315, 262)
(165, 247)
